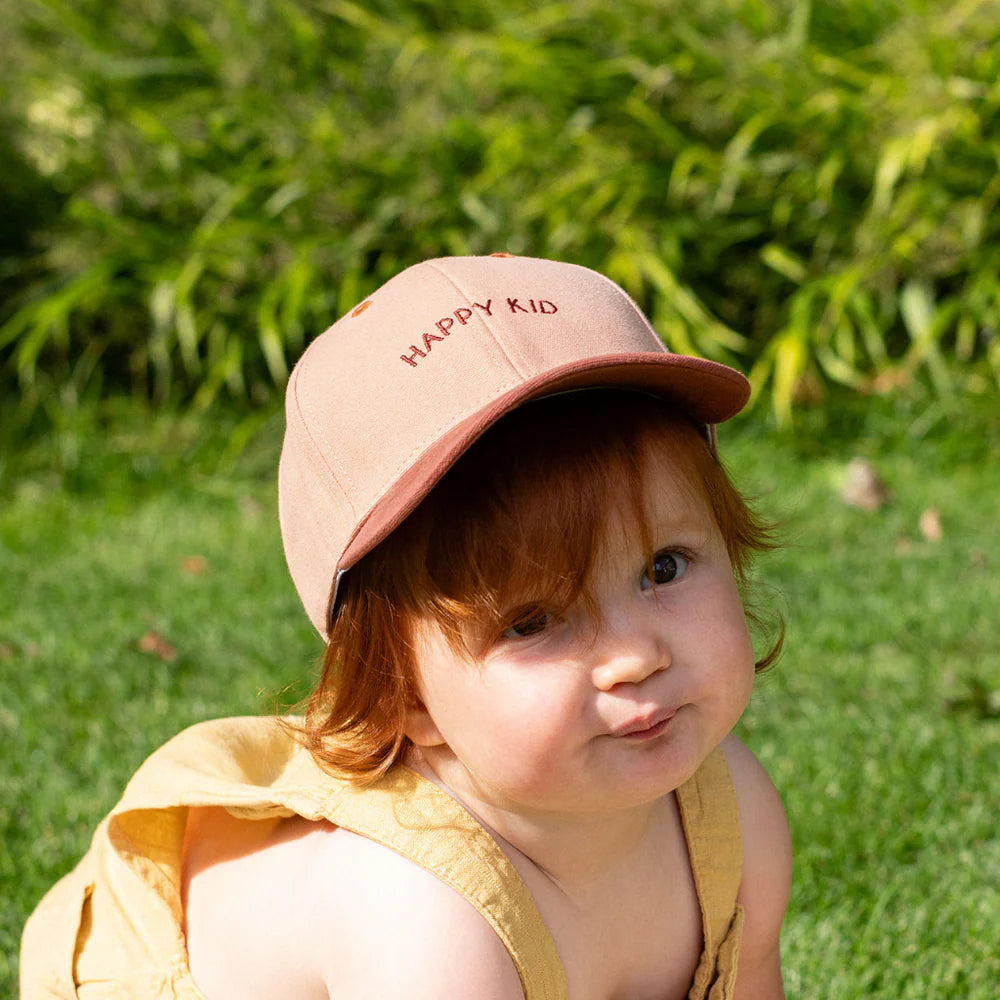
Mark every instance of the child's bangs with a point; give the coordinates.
(531, 540)
(521, 519)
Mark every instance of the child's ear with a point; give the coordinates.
(420, 727)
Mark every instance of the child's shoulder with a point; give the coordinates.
(315, 910)
(767, 857)
(762, 816)
(428, 940)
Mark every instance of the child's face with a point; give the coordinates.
(603, 708)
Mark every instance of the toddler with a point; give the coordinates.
(502, 507)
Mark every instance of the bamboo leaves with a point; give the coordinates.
(808, 191)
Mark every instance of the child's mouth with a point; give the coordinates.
(646, 728)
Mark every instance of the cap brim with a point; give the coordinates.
(711, 393)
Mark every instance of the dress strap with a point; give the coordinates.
(417, 819)
(709, 815)
(258, 770)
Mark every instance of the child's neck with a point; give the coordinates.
(579, 855)
(575, 853)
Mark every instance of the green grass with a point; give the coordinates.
(881, 723)
(878, 724)
(86, 574)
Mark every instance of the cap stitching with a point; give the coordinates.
(316, 437)
(635, 307)
(432, 436)
(514, 358)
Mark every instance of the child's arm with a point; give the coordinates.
(767, 874)
(293, 908)
(401, 932)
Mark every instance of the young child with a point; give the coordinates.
(501, 505)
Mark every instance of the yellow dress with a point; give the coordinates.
(112, 928)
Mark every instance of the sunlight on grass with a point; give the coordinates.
(890, 772)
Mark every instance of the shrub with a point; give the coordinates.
(806, 189)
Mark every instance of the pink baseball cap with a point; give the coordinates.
(382, 404)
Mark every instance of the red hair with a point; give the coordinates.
(519, 517)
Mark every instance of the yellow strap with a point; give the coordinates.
(403, 811)
(255, 769)
(711, 823)
(416, 818)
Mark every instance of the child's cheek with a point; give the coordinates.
(532, 732)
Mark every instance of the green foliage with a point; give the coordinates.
(805, 188)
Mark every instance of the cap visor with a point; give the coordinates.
(711, 393)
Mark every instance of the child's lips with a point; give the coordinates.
(647, 725)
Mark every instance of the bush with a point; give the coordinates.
(806, 189)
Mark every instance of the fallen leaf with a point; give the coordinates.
(250, 507)
(809, 390)
(864, 487)
(889, 381)
(194, 565)
(904, 546)
(930, 525)
(155, 645)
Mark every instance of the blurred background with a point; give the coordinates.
(191, 190)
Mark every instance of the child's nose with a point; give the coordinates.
(629, 656)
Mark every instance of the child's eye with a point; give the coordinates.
(528, 623)
(667, 566)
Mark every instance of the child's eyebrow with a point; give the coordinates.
(663, 522)
(701, 527)
(680, 515)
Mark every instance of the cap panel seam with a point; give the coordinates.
(316, 437)
(635, 308)
(433, 436)
(514, 357)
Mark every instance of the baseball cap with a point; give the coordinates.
(384, 402)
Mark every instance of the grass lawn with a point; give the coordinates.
(144, 589)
